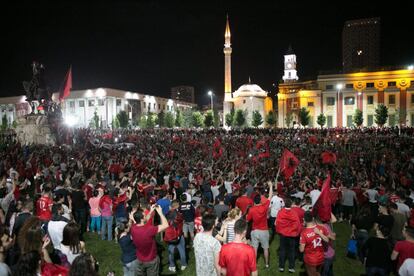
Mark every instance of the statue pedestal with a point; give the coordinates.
(35, 129)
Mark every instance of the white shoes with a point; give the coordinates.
(183, 267)
(171, 268)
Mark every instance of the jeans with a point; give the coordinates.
(361, 237)
(95, 222)
(130, 269)
(374, 271)
(181, 249)
(106, 227)
(148, 268)
(328, 267)
(80, 218)
(287, 249)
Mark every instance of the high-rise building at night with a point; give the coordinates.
(183, 93)
(361, 44)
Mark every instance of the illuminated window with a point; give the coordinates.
(349, 101)
(370, 100)
(91, 103)
(330, 101)
(391, 99)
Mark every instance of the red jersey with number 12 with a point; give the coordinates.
(314, 247)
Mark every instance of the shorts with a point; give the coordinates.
(260, 236)
(188, 227)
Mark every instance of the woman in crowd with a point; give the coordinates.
(71, 245)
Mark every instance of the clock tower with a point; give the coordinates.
(290, 66)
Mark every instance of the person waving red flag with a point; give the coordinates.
(328, 157)
(288, 163)
(323, 206)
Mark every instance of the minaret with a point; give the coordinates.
(227, 63)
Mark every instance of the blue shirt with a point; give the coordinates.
(165, 205)
(128, 249)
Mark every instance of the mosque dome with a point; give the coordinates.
(250, 89)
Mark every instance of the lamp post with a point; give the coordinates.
(339, 86)
(210, 93)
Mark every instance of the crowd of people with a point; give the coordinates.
(218, 193)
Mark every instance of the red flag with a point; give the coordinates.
(323, 207)
(313, 140)
(217, 149)
(65, 92)
(328, 157)
(288, 163)
(263, 149)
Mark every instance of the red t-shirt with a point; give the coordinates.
(44, 208)
(258, 214)
(144, 241)
(239, 259)
(405, 250)
(243, 202)
(314, 247)
(300, 212)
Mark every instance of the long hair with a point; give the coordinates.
(71, 237)
(30, 236)
(28, 264)
(83, 265)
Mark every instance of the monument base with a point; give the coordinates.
(35, 129)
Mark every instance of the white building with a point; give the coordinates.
(79, 107)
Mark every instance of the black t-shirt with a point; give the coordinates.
(78, 200)
(385, 220)
(363, 222)
(378, 253)
(20, 220)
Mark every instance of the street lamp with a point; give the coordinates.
(210, 93)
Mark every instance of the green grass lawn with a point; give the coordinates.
(108, 255)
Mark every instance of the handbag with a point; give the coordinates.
(352, 249)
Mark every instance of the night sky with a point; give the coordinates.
(150, 46)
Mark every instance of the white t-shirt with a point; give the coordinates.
(403, 208)
(55, 230)
(206, 248)
(215, 191)
(372, 195)
(276, 203)
(314, 195)
(407, 268)
(227, 185)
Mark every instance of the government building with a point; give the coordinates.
(337, 96)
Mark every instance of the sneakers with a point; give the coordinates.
(267, 266)
(183, 267)
(171, 268)
(291, 270)
(281, 269)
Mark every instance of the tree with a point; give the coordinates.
(321, 120)
(143, 121)
(304, 117)
(229, 118)
(179, 120)
(169, 119)
(216, 119)
(151, 118)
(381, 115)
(358, 117)
(160, 120)
(271, 119)
(115, 123)
(209, 119)
(14, 124)
(401, 116)
(187, 118)
(289, 119)
(197, 119)
(4, 122)
(122, 117)
(239, 118)
(257, 118)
